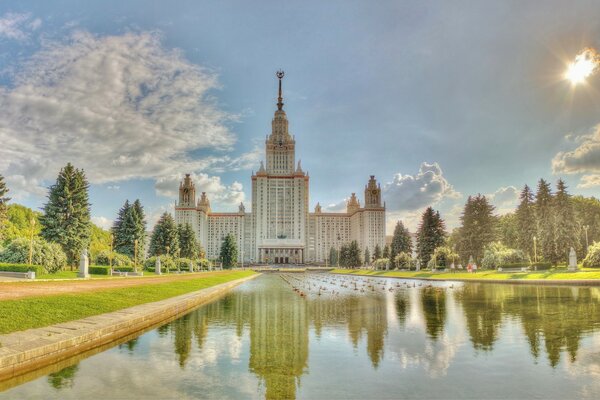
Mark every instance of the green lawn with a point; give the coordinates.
(73, 275)
(559, 274)
(35, 312)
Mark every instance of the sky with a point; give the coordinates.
(439, 100)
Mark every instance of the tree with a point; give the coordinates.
(354, 258)
(587, 211)
(66, 218)
(386, 251)
(228, 253)
(18, 223)
(164, 240)
(403, 260)
(99, 241)
(188, 244)
(526, 221)
(546, 226)
(49, 255)
(431, 234)
(3, 207)
(333, 256)
(129, 228)
(401, 241)
(344, 256)
(367, 255)
(508, 232)
(479, 227)
(377, 253)
(567, 227)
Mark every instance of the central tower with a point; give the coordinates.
(280, 145)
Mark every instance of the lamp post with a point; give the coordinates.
(32, 223)
(535, 249)
(110, 255)
(135, 250)
(168, 248)
(585, 228)
(337, 258)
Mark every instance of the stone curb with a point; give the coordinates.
(22, 352)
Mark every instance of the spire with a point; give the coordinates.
(280, 75)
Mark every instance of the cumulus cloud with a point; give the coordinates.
(412, 192)
(504, 199)
(120, 107)
(218, 193)
(589, 181)
(102, 222)
(336, 207)
(583, 159)
(17, 26)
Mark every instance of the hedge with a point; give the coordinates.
(540, 266)
(105, 270)
(38, 269)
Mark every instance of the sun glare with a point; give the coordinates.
(585, 64)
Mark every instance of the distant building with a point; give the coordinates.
(280, 228)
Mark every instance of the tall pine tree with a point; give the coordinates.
(401, 241)
(567, 227)
(129, 227)
(526, 221)
(479, 227)
(66, 218)
(188, 244)
(546, 226)
(3, 207)
(431, 234)
(164, 240)
(229, 253)
(377, 253)
(386, 251)
(367, 256)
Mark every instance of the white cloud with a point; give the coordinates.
(504, 199)
(102, 222)
(336, 207)
(16, 26)
(120, 107)
(583, 159)
(412, 192)
(113, 187)
(589, 181)
(218, 193)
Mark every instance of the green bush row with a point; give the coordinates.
(540, 266)
(7, 267)
(105, 270)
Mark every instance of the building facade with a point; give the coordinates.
(280, 228)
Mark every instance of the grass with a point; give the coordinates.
(36, 312)
(73, 275)
(558, 274)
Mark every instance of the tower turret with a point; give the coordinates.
(203, 203)
(372, 194)
(352, 205)
(187, 192)
(280, 145)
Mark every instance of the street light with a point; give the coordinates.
(337, 258)
(135, 250)
(535, 249)
(32, 223)
(585, 228)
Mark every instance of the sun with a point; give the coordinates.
(584, 65)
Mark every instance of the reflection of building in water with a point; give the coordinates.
(278, 340)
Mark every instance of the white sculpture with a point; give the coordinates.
(157, 266)
(84, 265)
(572, 260)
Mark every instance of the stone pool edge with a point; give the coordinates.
(547, 282)
(24, 351)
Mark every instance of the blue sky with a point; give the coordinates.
(439, 100)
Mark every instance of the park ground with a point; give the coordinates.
(586, 274)
(25, 305)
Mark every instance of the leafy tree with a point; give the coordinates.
(592, 259)
(164, 240)
(403, 260)
(66, 218)
(401, 241)
(99, 240)
(567, 228)
(508, 232)
(188, 244)
(19, 220)
(377, 253)
(526, 221)
(431, 234)
(229, 253)
(129, 227)
(479, 227)
(48, 255)
(587, 211)
(443, 256)
(497, 254)
(546, 226)
(367, 255)
(4, 199)
(386, 251)
(106, 257)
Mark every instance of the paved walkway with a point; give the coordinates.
(18, 290)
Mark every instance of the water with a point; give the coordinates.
(438, 340)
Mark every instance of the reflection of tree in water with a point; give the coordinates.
(402, 307)
(130, 345)
(433, 301)
(483, 314)
(65, 378)
(556, 316)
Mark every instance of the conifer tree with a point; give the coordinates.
(377, 253)
(66, 218)
(228, 253)
(3, 207)
(546, 226)
(401, 241)
(367, 256)
(188, 244)
(164, 240)
(386, 251)
(140, 225)
(431, 234)
(478, 229)
(526, 221)
(333, 256)
(567, 227)
(354, 255)
(129, 227)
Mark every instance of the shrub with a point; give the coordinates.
(48, 255)
(118, 260)
(205, 263)
(166, 262)
(381, 263)
(183, 264)
(403, 260)
(38, 269)
(592, 259)
(105, 270)
(497, 255)
(442, 257)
